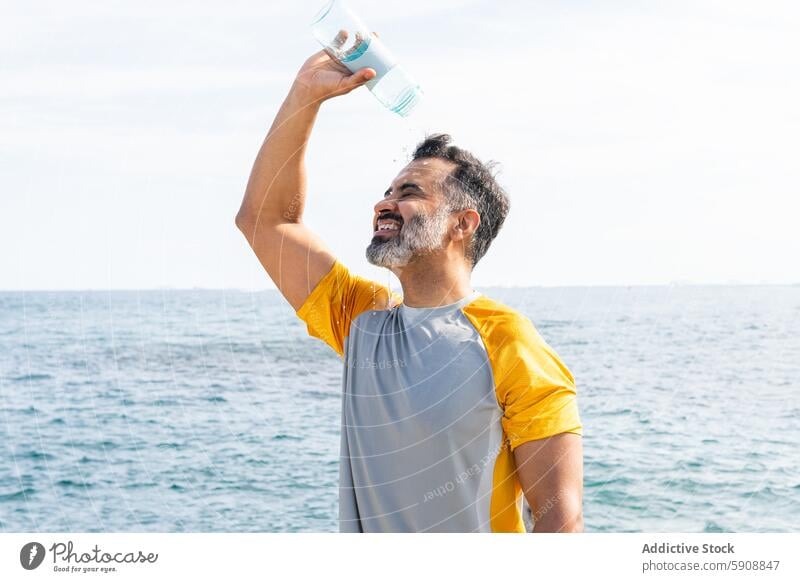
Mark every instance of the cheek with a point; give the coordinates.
(408, 209)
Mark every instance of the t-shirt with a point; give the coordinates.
(435, 400)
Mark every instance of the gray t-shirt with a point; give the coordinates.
(434, 402)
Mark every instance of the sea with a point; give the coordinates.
(213, 411)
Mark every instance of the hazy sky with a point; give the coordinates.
(640, 142)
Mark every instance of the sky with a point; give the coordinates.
(640, 142)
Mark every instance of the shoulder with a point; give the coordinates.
(354, 292)
(513, 342)
(368, 294)
(498, 321)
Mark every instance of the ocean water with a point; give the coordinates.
(179, 411)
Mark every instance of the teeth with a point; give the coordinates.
(387, 226)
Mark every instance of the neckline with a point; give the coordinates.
(461, 302)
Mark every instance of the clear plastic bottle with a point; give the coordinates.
(349, 41)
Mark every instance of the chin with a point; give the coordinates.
(376, 256)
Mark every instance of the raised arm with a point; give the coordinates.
(271, 213)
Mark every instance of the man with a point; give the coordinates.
(453, 405)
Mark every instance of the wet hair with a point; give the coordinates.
(471, 184)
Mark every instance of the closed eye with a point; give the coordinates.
(407, 189)
(404, 194)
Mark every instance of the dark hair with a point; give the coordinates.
(470, 185)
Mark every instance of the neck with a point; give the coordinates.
(430, 281)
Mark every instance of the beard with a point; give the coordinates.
(421, 235)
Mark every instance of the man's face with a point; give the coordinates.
(412, 218)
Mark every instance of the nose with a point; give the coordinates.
(384, 205)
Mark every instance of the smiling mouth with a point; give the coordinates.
(387, 227)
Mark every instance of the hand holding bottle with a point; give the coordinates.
(322, 77)
(348, 41)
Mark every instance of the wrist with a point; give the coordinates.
(301, 97)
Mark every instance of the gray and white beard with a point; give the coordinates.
(421, 235)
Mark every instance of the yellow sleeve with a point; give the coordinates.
(534, 388)
(336, 301)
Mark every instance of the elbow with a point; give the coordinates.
(244, 221)
(564, 517)
(247, 220)
(247, 226)
(572, 523)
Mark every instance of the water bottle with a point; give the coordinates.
(350, 42)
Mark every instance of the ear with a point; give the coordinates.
(467, 222)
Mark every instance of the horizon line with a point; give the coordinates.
(477, 287)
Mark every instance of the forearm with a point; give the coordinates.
(276, 190)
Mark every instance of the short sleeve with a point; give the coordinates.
(336, 301)
(534, 388)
